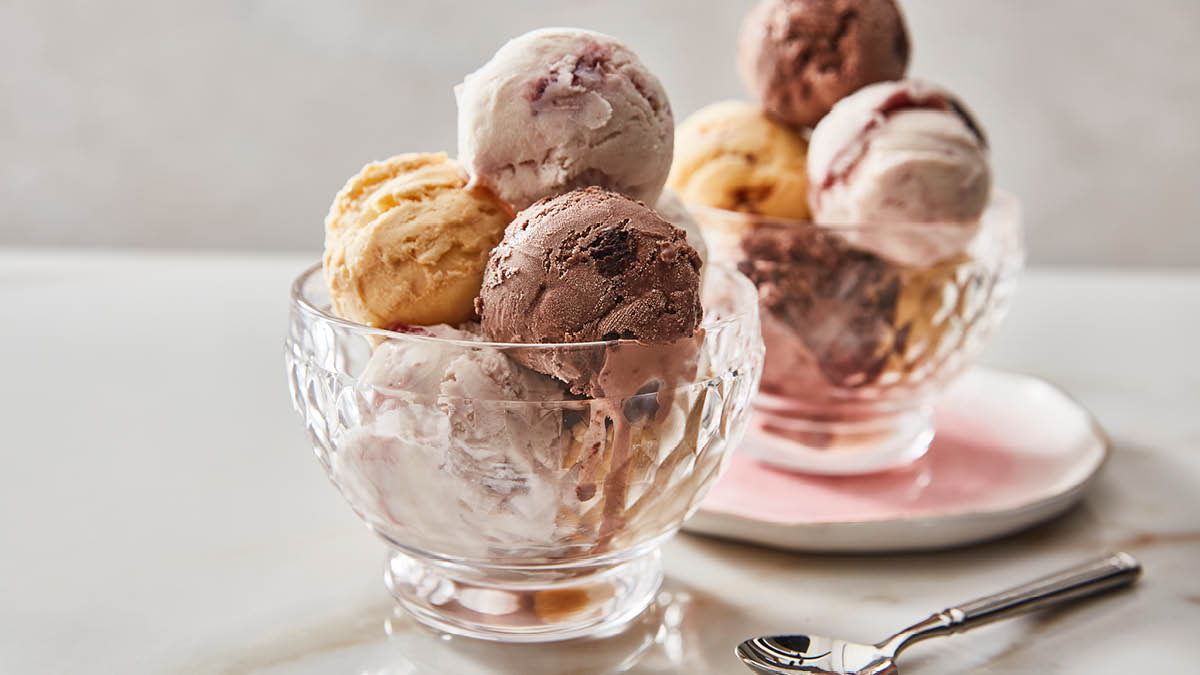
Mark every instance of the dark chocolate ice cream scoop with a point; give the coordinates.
(589, 265)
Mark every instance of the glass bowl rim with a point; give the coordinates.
(1004, 202)
(301, 302)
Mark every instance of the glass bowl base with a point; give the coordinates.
(798, 438)
(524, 604)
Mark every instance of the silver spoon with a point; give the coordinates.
(788, 654)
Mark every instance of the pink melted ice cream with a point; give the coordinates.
(440, 422)
(517, 466)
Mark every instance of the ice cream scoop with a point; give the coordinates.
(900, 153)
(590, 265)
(798, 57)
(730, 155)
(561, 108)
(406, 242)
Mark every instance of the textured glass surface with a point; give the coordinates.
(455, 450)
(843, 324)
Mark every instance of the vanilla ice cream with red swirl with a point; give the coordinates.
(560, 108)
(902, 169)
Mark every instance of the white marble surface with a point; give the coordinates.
(160, 510)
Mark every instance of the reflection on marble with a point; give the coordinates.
(669, 637)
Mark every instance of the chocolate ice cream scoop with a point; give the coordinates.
(590, 265)
(800, 56)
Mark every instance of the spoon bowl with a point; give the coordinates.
(813, 654)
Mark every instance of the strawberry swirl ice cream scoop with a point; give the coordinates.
(896, 155)
(560, 108)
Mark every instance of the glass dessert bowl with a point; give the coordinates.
(863, 325)
(515, 510)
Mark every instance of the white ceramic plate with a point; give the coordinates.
(1011, 451)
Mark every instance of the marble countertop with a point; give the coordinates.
(160, 509)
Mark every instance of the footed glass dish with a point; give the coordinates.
(863, 325)
(513, 509)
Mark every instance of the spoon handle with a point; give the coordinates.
(1111, 571)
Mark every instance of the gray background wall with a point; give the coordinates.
(231, 123)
